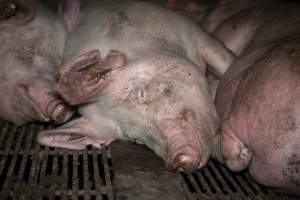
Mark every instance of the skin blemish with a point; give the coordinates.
(291, 171)
(168, 91)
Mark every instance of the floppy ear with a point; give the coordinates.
(76, 134)
(70, 11)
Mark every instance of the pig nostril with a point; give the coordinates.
(185, 159)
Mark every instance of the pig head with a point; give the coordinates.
(148, 86)
(32, 40)
(165, 107)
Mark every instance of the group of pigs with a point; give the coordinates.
(138, 71)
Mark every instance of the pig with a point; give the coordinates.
(208, 16)
(32, 40)
(139, 77)
(258, 98)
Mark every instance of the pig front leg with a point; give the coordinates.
(77, 134)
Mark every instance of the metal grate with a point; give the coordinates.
(32, 172)
(217, 182)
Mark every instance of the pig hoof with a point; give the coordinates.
(186, 159)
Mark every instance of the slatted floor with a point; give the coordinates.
(29, 171)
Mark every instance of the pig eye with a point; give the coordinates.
(15, 11)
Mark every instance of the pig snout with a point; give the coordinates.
(87, 76)
(45, 102)
(184, 147)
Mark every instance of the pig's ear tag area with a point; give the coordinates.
(16, 11)
(77, 134)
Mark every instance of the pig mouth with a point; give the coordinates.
(16, 12)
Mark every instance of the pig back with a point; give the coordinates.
(135, 28)
(280, 27)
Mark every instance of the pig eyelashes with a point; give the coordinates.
(15, 11)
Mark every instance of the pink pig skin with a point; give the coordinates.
(258, 98)
(151, 89)
(32, 41)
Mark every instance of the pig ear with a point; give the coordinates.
(114, 59)
(70, 10)
(81, 62)
(76, 134)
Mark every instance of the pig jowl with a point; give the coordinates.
(32, 41)
(148, 86)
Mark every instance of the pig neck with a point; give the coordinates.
(127, 124)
